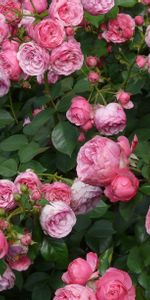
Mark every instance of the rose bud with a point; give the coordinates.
(93, 77)
(91, 61)
(141, 61)
(139, 20)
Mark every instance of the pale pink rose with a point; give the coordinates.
(67, 58)
(74, 292)
(9, 62)
(26, 20)
(124, 99)
(120, 29)
(33, 59)
(57, 191)
(98, 160)
(31, 181)
(36, 111)
(98, 7)
(124, 144)
(52, 77)
(7, 280)
(115, 284)
(7, 191)
(3, 245)
(57, 219)
(80, 270)
(4, 29)
(38, 5)
(49, 33)
(123, 187)
(147, 36)
(141, 61)
(147, 221)
(110, 119)
(17, 257)
(93, 77)
(84, 197)
(68, 11)
(139, 20)
(4, 83)
(26, 121)
(11, 9)
(80, 111)
(91, 61)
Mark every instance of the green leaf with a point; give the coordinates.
(81, 86)
(13, 142)
(99, 210)
(105, 260)
(34, 165)
(3, 266)
(145, 188)
(126, 3)
(41, 292)
(134, 262)
(29, 151)
(144, 280)
(34, 279)
(64, 137)
(8, 168)
(94, 20)
(5, 118)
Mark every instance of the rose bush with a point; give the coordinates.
(74, 149)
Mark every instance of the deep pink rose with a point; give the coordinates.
(10, 45)
(120, 29)
(124, 99)
(81, 270)
(56, 191)
(115, 284)
(74, 292)
(33, 59)
(110, 119)
(31, 181)
(67, 11)
(80, 111)
(17, 257)
(49, 33)
(57, 219)
(147, 36)
(147, 222)
(9, 62)
(39, 5)
(7, 280)
(98, 160)
(84, 197)
(123, 187)
(67, 58)
(98, 7)
(3, 245)
(141, 61)
(4, 28)
(11, 9)
(4, 83)
(7, 191)
(21, 263)
(139, 20)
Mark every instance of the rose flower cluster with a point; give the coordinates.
(84, 283)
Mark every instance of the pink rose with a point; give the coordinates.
(141, 61)
(33, 59)
(4, 83)
(93, 77)
(21, 263)
(57, 219)
(17, 257)
(52, 77)
(26, 20)
(146, 2)
(38, 5)
(147, 36)
(3, 245)
(124, 99)
(123, 187)
(31, 181)
(67, 11)
(11, 10)
(9, 62)
(56, 191)
(74, 292)
(84, 197)
(49, 33)
(26, 239)
(98, 7)
(139, 20)
(80, 270)
(91, 61)
(4, 28)
(10, 45)
(80, 111)
(67, 58)
(120, 29)
(124, 144)
(110, 119)
(147, 221)
(7, 191)
(7, 280)
(115, 284)
(98, 160)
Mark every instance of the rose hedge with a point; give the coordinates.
(74, 149)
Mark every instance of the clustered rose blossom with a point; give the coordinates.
(7, 194)
(114, 284)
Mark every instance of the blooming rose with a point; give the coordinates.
(32, 182)
(98, 160)
(110, 119)
(147, 222)
(17, 257)
(97, 7)
(80, 111)
(4, 83)
(74, 292)
(10, 9)
(124, 99)
(147, 36)
(123, 187)
(81, 270)
(3, 245)
(4, 29)
(141, 61)
(67, 58)
(33, 59)
(7, 280)
(38, 5)
(84, 197)
(49, 33)
(57, 219)
(21, 263)
(115, 284)
(7, 191)
(67, 11)
(120, 29)
(9, 62)
(56, 191)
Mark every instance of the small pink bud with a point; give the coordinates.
(127, 33)
(109, 48)
(139, 20)
(93, 77)
(141, 61)
(91, 61)
(70, 31)
(81, 137)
